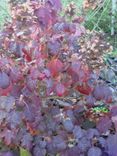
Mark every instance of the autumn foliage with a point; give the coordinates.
(40, 60)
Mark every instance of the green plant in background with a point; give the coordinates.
(4, 11)
(112, 54)
(77, 2)
(99, 19)
(96, 19)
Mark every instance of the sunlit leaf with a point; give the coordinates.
(24, 152)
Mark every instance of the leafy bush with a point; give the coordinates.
(46, 91)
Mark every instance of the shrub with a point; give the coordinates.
(41, 71)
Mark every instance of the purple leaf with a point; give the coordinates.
(16, 48)
(102, 142)
(104, 124)
(75, 66)
(39, 151)
(14, 119)
(59, 143)
(60, 89)
(56, 4)
(7, 154)
(78, 132)
(113, 110)
(4, 80)
(54, 47)
(27, 140)
(98, 92)
(68, 125)
(90, 100)
(44, 16)
(75, 151)
(31, 84)
(15, 74)
(114, 120)
(112, 145)
(7, 103)
(94, 151)
(84, 144)
(92, 133)
(102, 92)
(29, 114)
(16, 91)
(3, 115)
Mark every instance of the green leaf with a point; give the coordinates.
(24, 152)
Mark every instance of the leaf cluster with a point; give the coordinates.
(40, 69)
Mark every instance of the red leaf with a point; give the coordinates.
(84, 89)
(27, 55)
(55, 66)
(108, 99)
